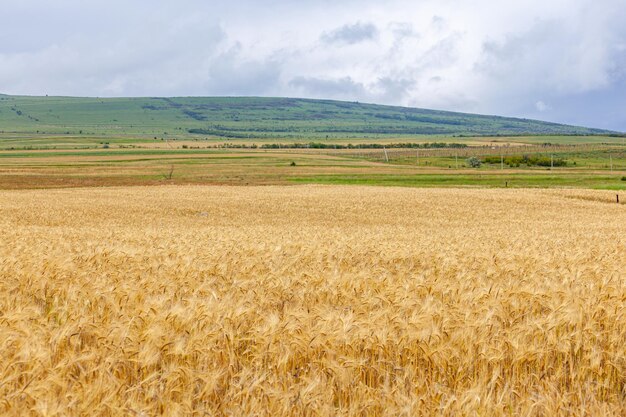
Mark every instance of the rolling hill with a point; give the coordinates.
(252, 117)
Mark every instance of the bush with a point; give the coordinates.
(474, 162)
(529, 160)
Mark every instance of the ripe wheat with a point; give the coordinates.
(312, 301)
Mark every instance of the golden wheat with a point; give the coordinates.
(312, 301)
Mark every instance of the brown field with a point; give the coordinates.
(312, 300)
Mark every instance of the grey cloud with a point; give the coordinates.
(402, 30)
(516, 46)
(385, 90)
(137, 53)
(617, 69)
(351, 34)
(603, 108)
(537, 58)
(345, 87)
(438, 22)
(232, 74)
(393, 90)
(557, 70)
(441, 54)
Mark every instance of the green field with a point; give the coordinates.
(493, 180)
(53, 142)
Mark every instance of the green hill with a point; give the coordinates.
(252, 117)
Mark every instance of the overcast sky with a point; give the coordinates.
(557, 60)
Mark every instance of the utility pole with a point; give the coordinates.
(386, 156)
(501, 161)
(456, 160)
(551, 161)
(417, 157)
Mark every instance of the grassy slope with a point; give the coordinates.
(241, 118)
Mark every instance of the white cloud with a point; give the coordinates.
(541, 106)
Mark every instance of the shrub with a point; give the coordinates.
(529, 160)
(474, 162)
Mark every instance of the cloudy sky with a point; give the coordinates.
(557, 60)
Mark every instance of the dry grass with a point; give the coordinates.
(311, 301)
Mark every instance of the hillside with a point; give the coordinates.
(251, 117)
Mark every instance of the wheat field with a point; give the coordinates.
(312, 301)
